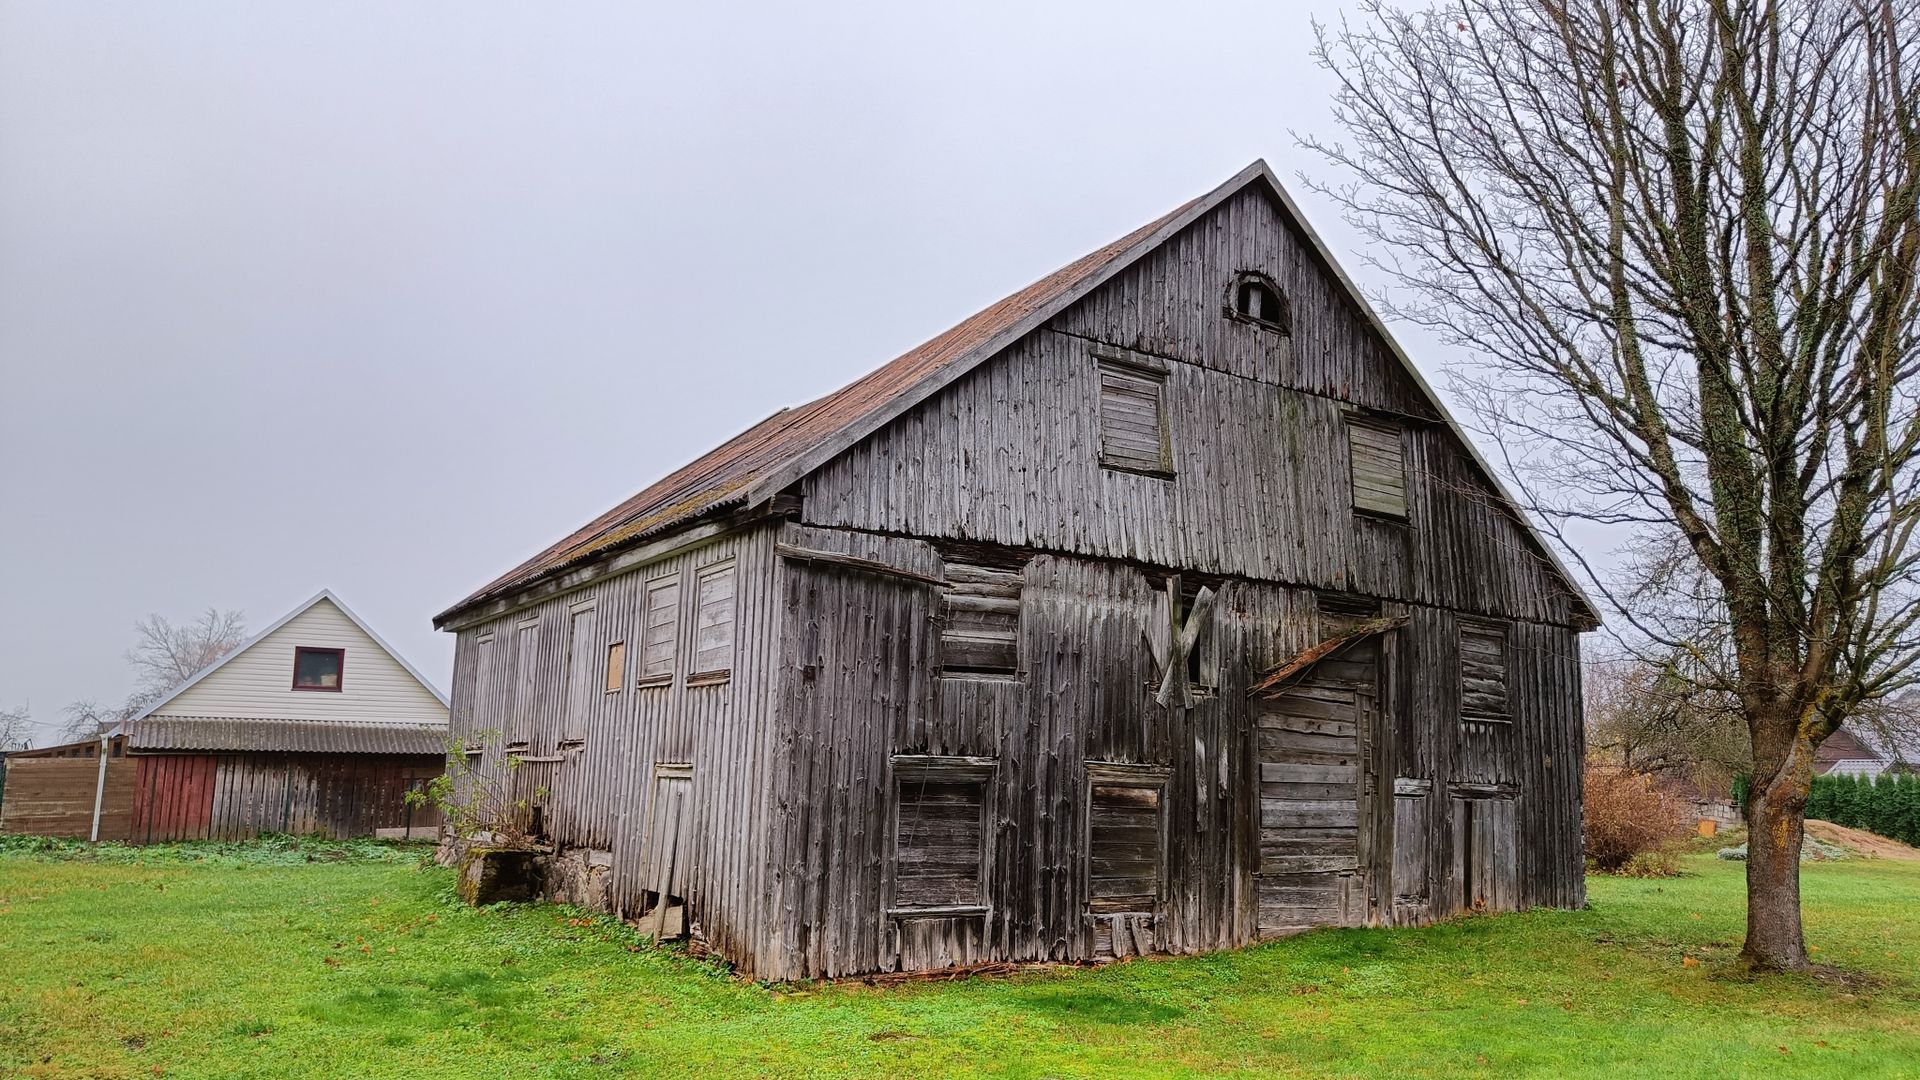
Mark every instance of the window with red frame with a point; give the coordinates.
(318, 669)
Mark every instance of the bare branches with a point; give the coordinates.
(1680, 236)
(88, 719)
(165, 655)
(16, 728)
(1681, 239)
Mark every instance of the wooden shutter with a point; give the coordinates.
(581, 655)
(1483, 672)
(713, 621)
(1410, 828)
(1133, 424)
(940, 832)
(1124, 838)
(518, 730)
(1379, 475)
(980, 621)
(658, 636)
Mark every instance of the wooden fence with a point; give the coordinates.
(158, 797)
(47, 796)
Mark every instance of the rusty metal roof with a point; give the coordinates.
(174, 733)
(722, 477)
(1280, 677)
(759, 462)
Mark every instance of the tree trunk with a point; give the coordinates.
(1776, 825)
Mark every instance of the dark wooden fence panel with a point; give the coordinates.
(237, 796)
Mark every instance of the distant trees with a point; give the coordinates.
(1654, 715)
(1888, 804)
(16, 728)
(87, 718)
(163, 656)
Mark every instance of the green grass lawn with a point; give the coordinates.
(203, 960)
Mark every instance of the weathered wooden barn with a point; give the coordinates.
(314, 726)
(1159, 607)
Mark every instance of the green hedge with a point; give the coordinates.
(1887, 805)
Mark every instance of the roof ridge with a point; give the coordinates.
(760, 462)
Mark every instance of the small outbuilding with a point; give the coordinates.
(315, 726)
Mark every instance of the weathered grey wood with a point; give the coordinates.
(981, 694)
(853, 562)
(1378, 467)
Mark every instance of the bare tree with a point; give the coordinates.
(16, 728)
(86, 719)
(165, 655)
(1680, 239)
(1657, 717)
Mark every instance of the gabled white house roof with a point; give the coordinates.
(161, 707)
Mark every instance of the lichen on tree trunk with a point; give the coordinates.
(1776, 828)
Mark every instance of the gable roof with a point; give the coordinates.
(323, 594)
(759, 463)
(1842, 745)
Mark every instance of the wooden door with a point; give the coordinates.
(1308, 743)
(1485, 845)
(667, 854)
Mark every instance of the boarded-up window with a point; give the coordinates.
(616, 666)
(1124, 836)
(581, 653)
(1483, 672)
(1133, 422)
(1379, 476)
(940, 832)
(980, 621)
(713, 622)
(529, 674)
(658, 635)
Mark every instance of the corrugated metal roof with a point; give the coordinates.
(300, 736)
(721, 477)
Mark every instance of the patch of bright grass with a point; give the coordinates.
(251, 961)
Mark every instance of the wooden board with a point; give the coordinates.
(54, 797)
(1308, 742)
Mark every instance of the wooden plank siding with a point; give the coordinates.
(965, 606)
(1261, 485)
(242, 795)
(598, 786)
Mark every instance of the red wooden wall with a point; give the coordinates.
(235, 796)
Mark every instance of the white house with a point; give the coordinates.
(315, 725)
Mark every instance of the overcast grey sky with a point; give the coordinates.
(385, 297)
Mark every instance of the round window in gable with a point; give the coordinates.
(1256, 299)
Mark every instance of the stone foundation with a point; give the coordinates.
(491, 875)
(582, 877)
